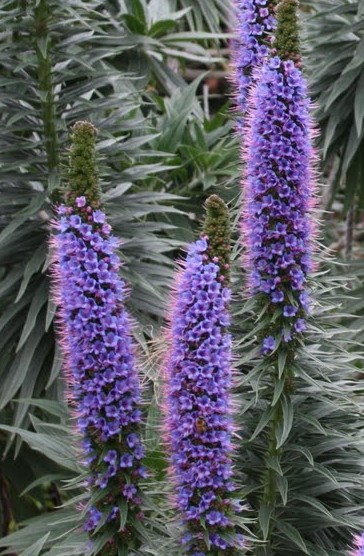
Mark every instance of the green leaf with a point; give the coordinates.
(315, 503)
(10, 280)
(22, 216)
(100, 541)
(123, 507)
(354, 178)
(15, 310)
(264, 420)
(357, 60)
(42, 44)
(39, 299)
(179, 108)
(18, 370)
(325, 472)
(36, 548)
(152, 434)
(53, 407)
(265, 514)
(44, 479)
(123, 550)
(303, 450)
(278, 389)
(160, 28)
(53, 448)
(282, 485)
(56, 367)
(51, 311)
(292, 534)
(32, 267)
(282, 359)
(29, 386)
(138, 9)
(284, 427)
(134, 24)
(359, 105)
(274, 462)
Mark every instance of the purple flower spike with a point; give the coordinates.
(256, 23)
(96, 339)
(198, 377)
(279, 193)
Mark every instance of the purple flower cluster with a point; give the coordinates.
(99, 351)
(256, 22)
(359, 545)
(279, 194)
(199, 422)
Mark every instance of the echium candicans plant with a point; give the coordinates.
(301, 450)
(95, 336)
(256, 23)
(198, 376)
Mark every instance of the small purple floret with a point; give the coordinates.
(269, 344)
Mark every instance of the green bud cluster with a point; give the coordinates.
(217, 229)
(287, 42)
(83, 180)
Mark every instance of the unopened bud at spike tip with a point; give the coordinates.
(287, 42)
(83, 179)
(217, 228)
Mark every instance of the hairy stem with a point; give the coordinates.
(349, 233)
(42, 42)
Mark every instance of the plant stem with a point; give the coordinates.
(42, 41)
(349, 233)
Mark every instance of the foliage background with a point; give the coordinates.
(137, 70)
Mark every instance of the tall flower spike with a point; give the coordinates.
(256, 23)
(198, 378)
(99, 353)
(279, 189)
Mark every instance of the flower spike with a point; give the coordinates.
(280, 189)
(95, 331)
(198, 376)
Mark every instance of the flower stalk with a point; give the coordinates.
(95, 331)
(278, 232)
(198, 402)
(42, 40)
